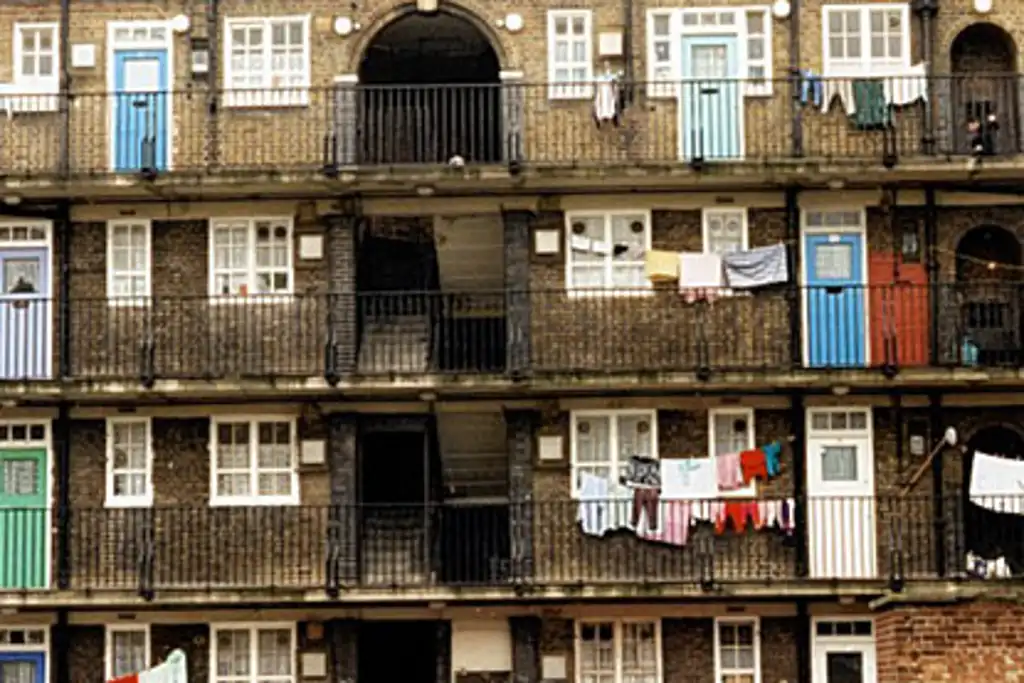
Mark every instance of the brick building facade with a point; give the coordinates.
(327, 332)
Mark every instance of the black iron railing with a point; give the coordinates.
(557, 543)
(324, 129)
(542, 333)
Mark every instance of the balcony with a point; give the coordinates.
(541, 334)
(438, 547)
(324, 130)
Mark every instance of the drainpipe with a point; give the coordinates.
(61, 648)
(803, 642)
(798, 423)
(795, 64)
(793, 237)
(938, 503)
(63, 224)
(62, 437)
(213, 88)
(627, 50)
(931, 222)
(926, 11)
(64, 94)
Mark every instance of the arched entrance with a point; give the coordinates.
(987, 534)
(983, 58)
(988, 260)
(430, 92)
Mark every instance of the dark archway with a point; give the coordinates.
(430, 92)
(983, 58)
(987, 534)
(988, 260)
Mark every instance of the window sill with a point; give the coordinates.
(570, 92)
(609, 293)
(250, 299)
(251, 502)
(128, 503)
(141, 301)
(268, 98)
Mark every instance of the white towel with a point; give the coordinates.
(842, 88)
(909, 87)
(700, 275)
(997, 484)
(606, 100)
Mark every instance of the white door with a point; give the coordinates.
(841, 494)
(846, 658)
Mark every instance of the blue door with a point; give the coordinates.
(26, 314)
(835, 300)
(22, 667)
(712, 100)
(141, 104)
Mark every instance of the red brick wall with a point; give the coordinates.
(966, 643)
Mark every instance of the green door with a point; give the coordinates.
(23, 518)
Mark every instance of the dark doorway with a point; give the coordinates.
(983, 59)
(397, 651)
(988, 534)
(394, 469)
(987, 274)
(430, 92)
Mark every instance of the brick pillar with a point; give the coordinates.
(343, 636)
(517, 285)
(343, 534)
(346, 120)
(519, 429)
(443, 651)
(525, 649)
(342, 300)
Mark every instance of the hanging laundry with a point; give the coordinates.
(841, 89)
(595, 507)
(739, 515)
(675, 524)
(758, 267)
(997, 484)
(728, 471)
(643, 475)
(688, 479)
(753, 465)
(773, 458)
(872, 110)
(700, 276)
(607, 101)
(661, 266)
(907, 88)
(811, 88)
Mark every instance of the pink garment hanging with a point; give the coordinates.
(728, 469)
(675, 524)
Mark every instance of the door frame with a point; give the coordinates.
(865, 436)
(46, 244)
(805, 232)
(47, 444)
(820, 645)
(740, 44)
(113, 47)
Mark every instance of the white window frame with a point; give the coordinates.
(254, 499)
(267, 95)
(225, 222)
(866, 67)
(253, 629)
(35, 84)
(612, 415)
(572, 90)
(607, 289)
(113, 500)
(108, 646)
(710, 212)
(737, 413)
(144, 297)
(720, 672)
(667, 85)
(617, 636)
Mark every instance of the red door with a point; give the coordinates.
(900, 316)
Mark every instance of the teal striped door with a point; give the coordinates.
(23, 518)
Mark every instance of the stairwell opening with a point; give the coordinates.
(397, 652)
(992, 535)
(430, 93)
